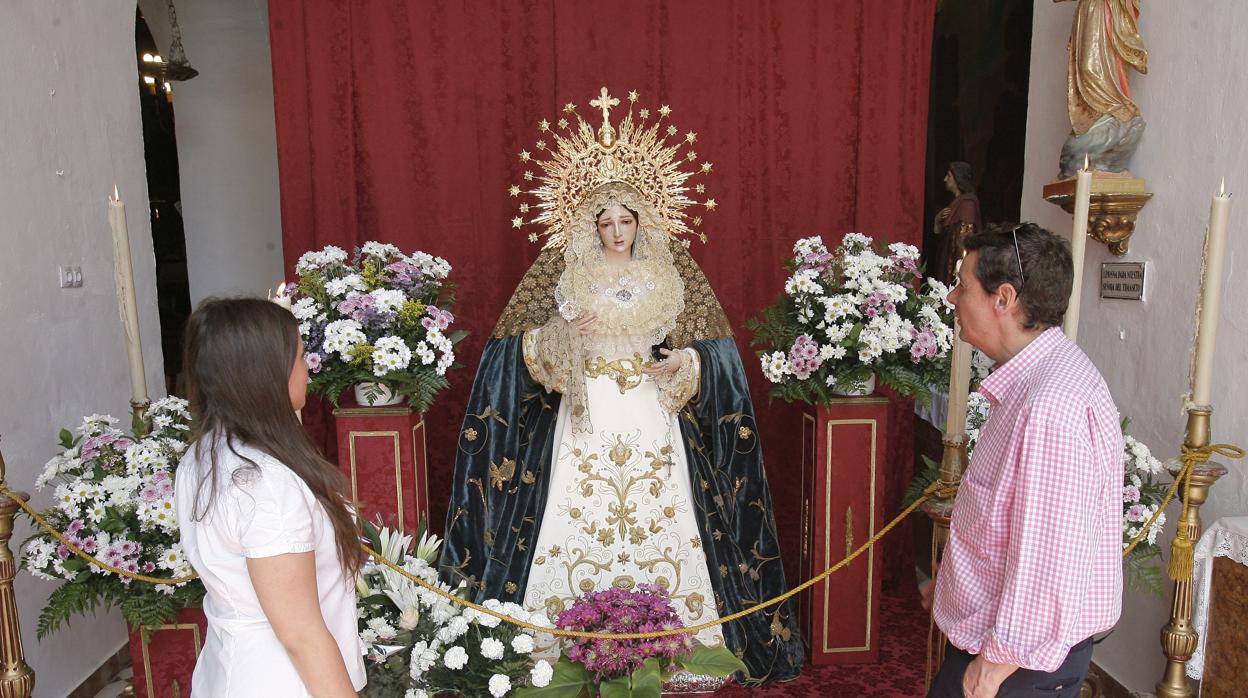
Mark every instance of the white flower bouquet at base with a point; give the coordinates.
(419, 644)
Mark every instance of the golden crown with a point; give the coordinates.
(636, 152)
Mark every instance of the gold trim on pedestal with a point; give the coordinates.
(145, 632)
(17, 679)
(1116, 201)
(418, 463)
(806, 551)
(372, 411)
(398, 470)
(827, 538)
(849, 530)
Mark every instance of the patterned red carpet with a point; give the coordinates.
(898, 674)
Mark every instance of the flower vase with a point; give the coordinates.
(375, 395)
(862, 389)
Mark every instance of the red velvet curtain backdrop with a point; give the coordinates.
(402, 121)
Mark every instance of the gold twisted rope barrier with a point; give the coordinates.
(937, 489)
(60, 537)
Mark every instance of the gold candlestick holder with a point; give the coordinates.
(17, 679)
(1178, 638)
(138, 423)
(953, 463)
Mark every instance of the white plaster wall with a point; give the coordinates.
(69, 128)
(1193, 99)
(227, 145)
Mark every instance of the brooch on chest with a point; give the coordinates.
(623, 290)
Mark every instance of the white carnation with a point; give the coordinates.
(456, 658)
(492, 648)
(499, 685)
(541, 673)
(522, 643)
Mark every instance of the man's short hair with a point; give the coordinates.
(1038, 266)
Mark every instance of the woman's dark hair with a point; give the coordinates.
(963, 176)
(1038, 266)
(238, 357)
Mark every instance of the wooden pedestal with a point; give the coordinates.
(844, 457)
(381, 451)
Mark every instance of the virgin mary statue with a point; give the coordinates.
(610, 438)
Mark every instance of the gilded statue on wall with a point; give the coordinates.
(1106, 125)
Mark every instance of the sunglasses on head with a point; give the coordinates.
(1017, 255)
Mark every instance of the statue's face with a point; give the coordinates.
(617, 229)
(950, 183)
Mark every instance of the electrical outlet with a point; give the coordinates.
(71, 276)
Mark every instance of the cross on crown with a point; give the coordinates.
(605, 102)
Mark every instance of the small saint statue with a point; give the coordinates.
(1105, 122)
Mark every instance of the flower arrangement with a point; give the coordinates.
(636, 668)
(1141, 497)
(420, 644)
(114, 500)
(381, 319)
(850, 314)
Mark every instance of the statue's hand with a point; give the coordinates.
(671, 363)
(585, 323)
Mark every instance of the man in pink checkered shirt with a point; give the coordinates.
(1033, 567)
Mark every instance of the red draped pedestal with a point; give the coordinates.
(381, 451)
(163, 656)
(844, 463)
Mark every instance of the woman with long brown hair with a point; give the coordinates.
(262, 515)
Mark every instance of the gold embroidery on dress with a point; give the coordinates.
(501, 474)
(625, 372)
(613, 482)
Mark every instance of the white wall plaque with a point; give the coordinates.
(1123, 280)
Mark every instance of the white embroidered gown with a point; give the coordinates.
(620, 509)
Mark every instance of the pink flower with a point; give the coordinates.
(645, 609)
(313, 360)
(443, 318)
(1130, 494)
